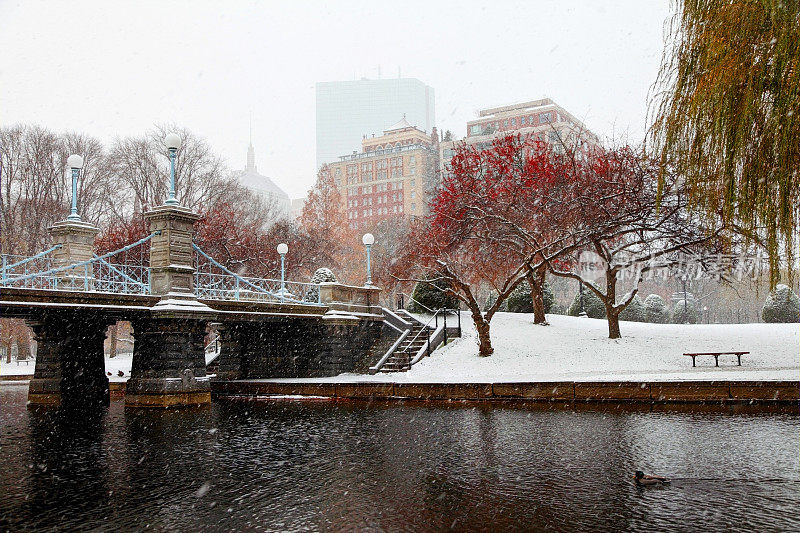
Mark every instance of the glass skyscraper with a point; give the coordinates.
(348, 110)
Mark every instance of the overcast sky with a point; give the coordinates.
(115, 68)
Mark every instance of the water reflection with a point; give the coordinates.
(66, 457)
(334, 466)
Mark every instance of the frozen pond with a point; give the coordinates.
(333, 466)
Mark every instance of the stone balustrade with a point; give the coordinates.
(351, 299)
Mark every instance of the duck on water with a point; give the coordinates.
(642, 479)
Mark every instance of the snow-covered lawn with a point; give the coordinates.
(578, 349)
(113, 364)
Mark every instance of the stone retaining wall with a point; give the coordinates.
(680, 392)
(658, 392)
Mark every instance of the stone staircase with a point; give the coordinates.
(400, 360)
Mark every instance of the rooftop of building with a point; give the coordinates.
(542, 102)
(259, 182)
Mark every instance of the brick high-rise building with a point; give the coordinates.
(391, 176)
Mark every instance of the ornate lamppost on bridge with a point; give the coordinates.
(283, 249)
(368, 239)
(75, 163)
(173, 142)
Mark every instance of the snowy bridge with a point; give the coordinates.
(172, 291)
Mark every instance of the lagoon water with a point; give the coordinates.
(283, 465)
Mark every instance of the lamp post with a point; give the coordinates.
(368, 239)
(580, 290)
(283, 249)
(173, 142)
(75, 163)
(685, 301)
(705, 312)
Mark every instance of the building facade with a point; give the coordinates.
(392, 176)
(346, 110)
(541, 120)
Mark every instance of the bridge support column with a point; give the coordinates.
(70, 363)
(233, 338)
(169, 367)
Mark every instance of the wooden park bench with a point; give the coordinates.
(716, 356)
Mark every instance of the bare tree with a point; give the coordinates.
(34, 191)
(98, 191)
(142, 166)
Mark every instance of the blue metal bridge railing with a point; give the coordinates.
(98, 274)
(108, 274)
(216, 282)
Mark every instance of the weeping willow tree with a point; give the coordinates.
(727, 114)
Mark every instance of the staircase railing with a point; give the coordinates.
(435, 337)
(444, 311)
(374, 369)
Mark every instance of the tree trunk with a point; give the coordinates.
(23, 346)
(112, 340)
(612, 314)
(485, 342)
(613, 324)
(536, 283)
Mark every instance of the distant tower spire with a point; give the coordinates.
(251, 153)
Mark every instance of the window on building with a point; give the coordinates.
(412, 160)
(513, 122)
(413, 207)
(413, 183)
(523, 120)
(475, 129)
(413, 194)
(545, 118)
(505, 123)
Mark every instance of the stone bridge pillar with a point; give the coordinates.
(77, 245)
(171, 253)
(70, 361)
(168, 357)
(70, 364)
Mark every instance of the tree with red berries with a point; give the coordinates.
(493, 222)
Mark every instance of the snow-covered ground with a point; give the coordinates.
(578, 349)
(114, 365)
